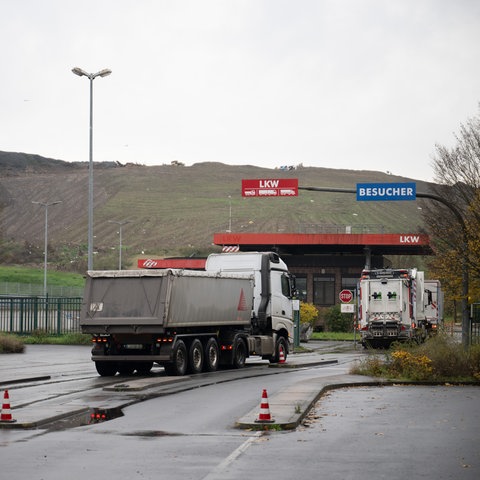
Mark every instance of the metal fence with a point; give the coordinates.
(50, 315)
(475, 324)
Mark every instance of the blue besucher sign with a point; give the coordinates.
(386, 191)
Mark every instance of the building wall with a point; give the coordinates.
(312, 271)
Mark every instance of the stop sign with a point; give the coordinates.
(346, 296)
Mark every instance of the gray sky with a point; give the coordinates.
(355, 84)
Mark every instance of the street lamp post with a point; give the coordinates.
(46, 205)
(120, 225)
(91, 77)
(230, 214)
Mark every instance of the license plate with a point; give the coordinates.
(134, 346)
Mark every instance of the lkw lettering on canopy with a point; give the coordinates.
(409, 239)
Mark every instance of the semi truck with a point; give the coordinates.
(190, 321)
(391, 307)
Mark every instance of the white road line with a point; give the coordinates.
(218, 473)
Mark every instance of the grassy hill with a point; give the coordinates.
(175, 210)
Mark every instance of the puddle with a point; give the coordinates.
(152, 433)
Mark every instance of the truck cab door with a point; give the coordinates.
(281, 295)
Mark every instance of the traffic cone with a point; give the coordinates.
(264, 415)
(6, 413)
(281, 357)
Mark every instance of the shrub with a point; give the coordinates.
(414, 367)
(474, 361)
(373, 366)
(10, 344)
(308, 313)
(336, 321)
(440, 358)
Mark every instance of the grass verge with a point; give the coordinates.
(10, 343)
(339, 336)
(67, 339)
(19, 274)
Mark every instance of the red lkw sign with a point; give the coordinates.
(346, 296)
(271, 187)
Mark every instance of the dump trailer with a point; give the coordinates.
(391, 307)
(190, 321)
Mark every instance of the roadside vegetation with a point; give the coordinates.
(40, 337)
(338, 326)
(11, 343)
(20, 274)
(338, 336)
(439, 359)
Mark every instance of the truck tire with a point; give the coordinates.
(106, 369)
(195, 356)
(212, 355)
(239, 353)
(179, 364)
(280, 346)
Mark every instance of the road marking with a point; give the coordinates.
(218, 473)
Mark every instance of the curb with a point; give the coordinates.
(302, 365)
(42, 415)
(289, 407)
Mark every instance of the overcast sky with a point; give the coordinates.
(355, 84)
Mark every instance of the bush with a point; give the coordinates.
(308, 313)
(335, 321)
(474, 361)
(373, 366)
(411, 366)
(440, 358)
(10, 344)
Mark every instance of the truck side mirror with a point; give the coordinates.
(288, 286)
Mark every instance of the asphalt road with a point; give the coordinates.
(395, 432)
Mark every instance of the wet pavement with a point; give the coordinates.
(285, 409)
(291, 405)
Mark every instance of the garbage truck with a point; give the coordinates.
(391, 307)
(190, 321)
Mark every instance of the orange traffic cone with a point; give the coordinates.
(281, 357)
(264, 416)
(6, 413)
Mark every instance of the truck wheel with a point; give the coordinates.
(239, 353)
(212, 355)
(178, 367)
(280, 346)
(195, 356)
(106, 369)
